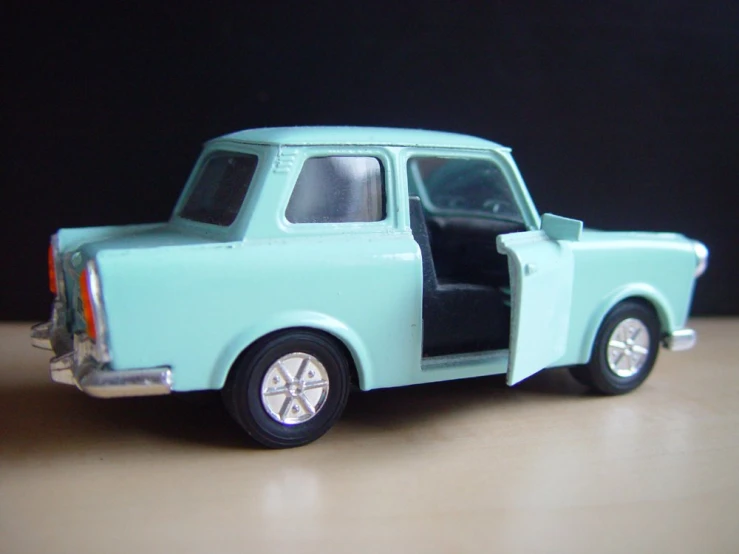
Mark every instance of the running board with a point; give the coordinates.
(463, 366)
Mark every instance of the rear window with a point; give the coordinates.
(220, 188)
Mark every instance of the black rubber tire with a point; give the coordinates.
(241, 394)
(596, 374)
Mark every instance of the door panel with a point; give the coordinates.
(541, 272)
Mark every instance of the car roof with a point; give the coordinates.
(376, 136)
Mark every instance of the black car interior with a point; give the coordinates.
(465, 279)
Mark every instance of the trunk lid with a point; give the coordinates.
(81, 245)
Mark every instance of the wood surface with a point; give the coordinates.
(468, 466)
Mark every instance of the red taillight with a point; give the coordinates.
(52, 271)
(87, 304)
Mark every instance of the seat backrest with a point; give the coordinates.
(421, 236)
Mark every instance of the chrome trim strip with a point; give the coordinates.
(96, 298)
(682, 339)
(41, 335)
(701, 252)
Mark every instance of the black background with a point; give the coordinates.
(623, 114)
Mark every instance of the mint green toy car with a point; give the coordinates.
(301, 261)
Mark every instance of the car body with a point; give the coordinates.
(413, 256)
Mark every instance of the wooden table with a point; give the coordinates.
(469, 466)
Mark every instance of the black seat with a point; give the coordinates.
(457, 317)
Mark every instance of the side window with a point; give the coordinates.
(338, 189)
(463, 185)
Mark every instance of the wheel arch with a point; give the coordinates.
(643, 294)
(344, 338)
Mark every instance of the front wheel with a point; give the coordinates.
(624, 352)
(289, 389)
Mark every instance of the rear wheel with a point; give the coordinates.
(624, 352)
(289, 389)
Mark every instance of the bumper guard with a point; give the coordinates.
(41, 335)
(53, 334)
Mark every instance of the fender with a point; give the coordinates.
(288, 320)
(633, 290)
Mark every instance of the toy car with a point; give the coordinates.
(301, 261)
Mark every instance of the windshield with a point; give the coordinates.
(463, 186)
(219, 190)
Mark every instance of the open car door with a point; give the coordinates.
(541, 267)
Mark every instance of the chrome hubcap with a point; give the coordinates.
(295, 388)
(628, 347)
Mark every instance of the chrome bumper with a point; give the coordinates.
(80, 368)
(682, 339)
(97, 380)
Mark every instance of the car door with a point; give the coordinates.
(541, 273)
